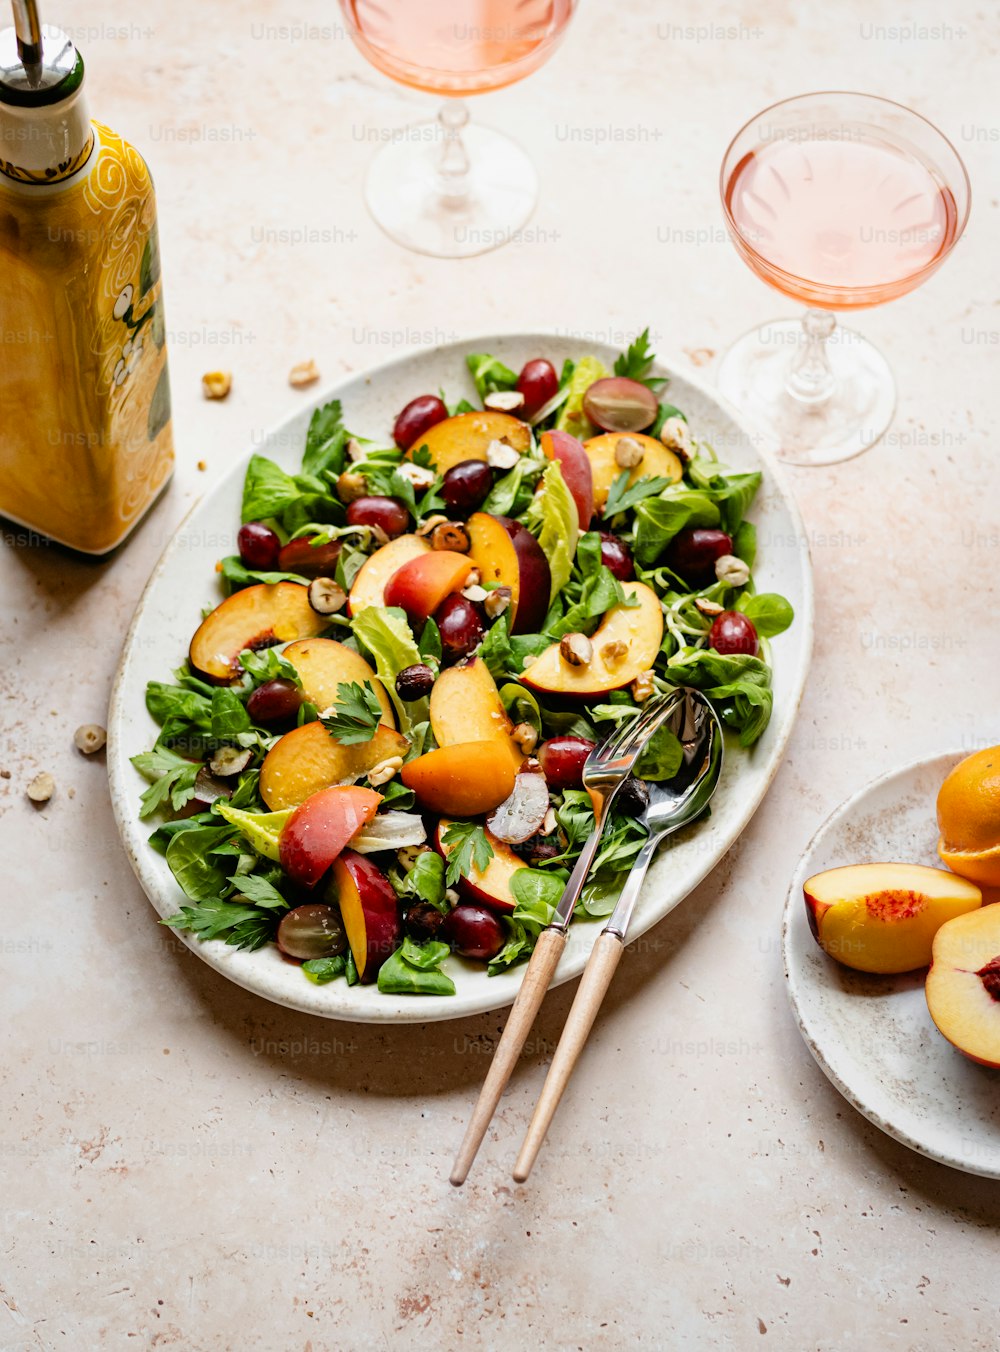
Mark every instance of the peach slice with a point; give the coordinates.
(492, 886)
(370, 912)
(308, 759)
(323, 664)
(378, 568)
(657, 461)
(466, 707)
(256, 617)
(467, 436)
(421, 585)
(963, 985)
(319, 828)
(506, 552)
(639, 628)
(463, 780)
(576, 471)
(883, 917)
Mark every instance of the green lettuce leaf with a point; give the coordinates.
(553, 512)
(388, 637)
(572, 418)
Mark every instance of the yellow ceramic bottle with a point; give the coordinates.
(85, 435)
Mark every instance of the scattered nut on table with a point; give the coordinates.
(216, 384)
(303, 373)
(89, 737)
(42, 787)
(576, 649)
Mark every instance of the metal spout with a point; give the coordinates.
(29, 39)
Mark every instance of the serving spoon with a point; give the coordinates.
(673, 804)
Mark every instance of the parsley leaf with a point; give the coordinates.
(467, 848)
(171, 778)
(636, 361)
(325, 441)
(356, 714)
(260, 890)
(241, 926)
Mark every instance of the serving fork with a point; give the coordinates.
(606, 769)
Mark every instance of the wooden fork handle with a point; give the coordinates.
(537, 979)
(596, 979)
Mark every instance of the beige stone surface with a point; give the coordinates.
(186, 1166)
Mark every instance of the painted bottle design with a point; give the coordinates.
(85, 434)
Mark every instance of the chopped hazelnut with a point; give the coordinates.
(731, 570)
(216, 384)
(501, 456)
(230, 760)
(475, 593)
(525, 737)
(351, 486)
(642, 687)
(497, 601)
(506, 401)
(628, 452)
(326, 596)
(707, 607)
(418, 476)
(450, 535)
(676, 436)
(576, 649)
(303, 373)
(407, 855)
(355, 450)
(473, 579)
(432, 522)
(613, 652)
(384, 771)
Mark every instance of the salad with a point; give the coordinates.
(372, 755)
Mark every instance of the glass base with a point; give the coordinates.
(753, 375)
(407, 197)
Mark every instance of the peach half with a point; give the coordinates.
(963, 985)
(883, 917)
(467, 436)
(256, 617)
(308, 759)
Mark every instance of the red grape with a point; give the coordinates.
(313, 931)
(418, 417)
(423, 921)
(733, 633)
(274, 703)
(259, 546)
(616, 556)
(562, 760)
(414, 682)
(461, 626)
(389, 514)
(692, 553)
(466, 484)
(473, 932)
(619, 404)
(302, 556)
(538, 383)
(632, 798)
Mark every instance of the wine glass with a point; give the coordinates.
(446, 188)
(843, 201)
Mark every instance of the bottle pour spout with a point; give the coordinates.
(28, 28)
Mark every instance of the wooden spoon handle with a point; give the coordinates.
(594, 983)
(537, 979)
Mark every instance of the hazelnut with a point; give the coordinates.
(549, 822)
(355, 450)
(473, 578)
(427, 527)
(42, 787)
(525, 737)
(418, 476)
(613, 652)
(731, 570)
(497, 601)
(384, 771)
(216, 384)
(326, 596)
(89, 737)
(501, 456)
(642, 687)
(475, 593)
(351, 486)
(676, 435)
(576, 649)
(707, 607)
(303, 373)
(450, 535)
(628, 452)
(506, 401)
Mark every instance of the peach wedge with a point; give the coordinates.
(656, 461)
(256, 617)
(963, 985)
(466, 707)
(308, 759)
(883, 917)
(373, 575)
(464, 780)
(467, 436)
(323, 664)
(639, 628)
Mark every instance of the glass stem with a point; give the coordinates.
(453, 164)
(810, 379)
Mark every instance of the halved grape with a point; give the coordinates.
(313, 931)
(619, 404)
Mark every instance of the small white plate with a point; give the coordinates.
(184, 580)
(873, 1035)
